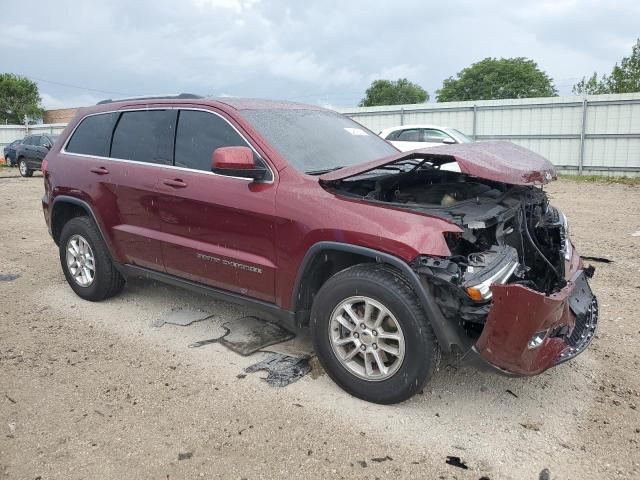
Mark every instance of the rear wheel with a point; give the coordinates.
(85, 261)
(24, 168)
(372, 336)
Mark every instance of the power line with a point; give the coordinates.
(68, 85)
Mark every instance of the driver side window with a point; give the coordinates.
(200, 133)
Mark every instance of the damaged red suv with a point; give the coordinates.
(384, 256)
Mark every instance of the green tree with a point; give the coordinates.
(591, 85)
(398, 92)
(19, 98)
(493, 78)
(624, 78)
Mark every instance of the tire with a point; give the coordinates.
(24, 168)
(412, 363)
(106, 281)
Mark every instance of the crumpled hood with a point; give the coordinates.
(499, 161)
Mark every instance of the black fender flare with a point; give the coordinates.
(447, 333)
(85, 206)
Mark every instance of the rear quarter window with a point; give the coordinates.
(93, 135)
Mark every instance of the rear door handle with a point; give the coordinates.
(100, 170)
(174, 182)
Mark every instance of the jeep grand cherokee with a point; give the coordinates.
(386, 257)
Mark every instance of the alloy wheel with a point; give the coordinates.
(366, 338)
(81, 261)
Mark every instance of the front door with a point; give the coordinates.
(40, 151)
(31, 146)
(216, 230)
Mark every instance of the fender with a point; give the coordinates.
(85, 206)
(448, 334)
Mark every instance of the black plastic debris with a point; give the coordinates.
(511, 393)
(8, 277)
(596, 259)
(281, 369)
(185, 456)
(247, 335)
(456, 462)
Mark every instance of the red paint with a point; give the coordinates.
(201, 226)
(150, 219)
(235, 158)
(499, 161)
(517, 313)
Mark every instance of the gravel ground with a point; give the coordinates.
(94, 391)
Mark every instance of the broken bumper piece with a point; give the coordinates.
(528, 332)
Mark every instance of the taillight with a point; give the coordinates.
(45, 164)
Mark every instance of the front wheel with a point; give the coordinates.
(24, 168)
(372, 335)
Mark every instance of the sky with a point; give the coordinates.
(321, 52)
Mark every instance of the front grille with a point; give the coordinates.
(582, 334)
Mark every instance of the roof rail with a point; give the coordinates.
(176, 96)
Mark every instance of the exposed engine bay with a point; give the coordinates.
(511, 234)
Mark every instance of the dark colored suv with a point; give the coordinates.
(31, 152)
(10, 153)
(307, 215)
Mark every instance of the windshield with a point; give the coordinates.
(316, 141)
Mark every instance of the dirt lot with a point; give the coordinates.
(94, 391)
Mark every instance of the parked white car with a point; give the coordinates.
(412, 137)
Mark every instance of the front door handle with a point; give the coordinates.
(174, 182)
(100, 170)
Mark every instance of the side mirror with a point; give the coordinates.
(448, 141)
(47, 146)
(236, 162)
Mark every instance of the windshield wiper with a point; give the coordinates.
(325, 170)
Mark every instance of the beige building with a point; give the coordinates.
(61, 115)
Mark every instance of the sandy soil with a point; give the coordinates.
(94, 391)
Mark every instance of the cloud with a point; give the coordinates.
(315, 51)
(51, 102)
(24, 37)
(236, 5)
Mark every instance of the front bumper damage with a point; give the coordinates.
(563, 324)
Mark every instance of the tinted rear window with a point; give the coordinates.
(145, 136)
(93, 135)
(199, 134)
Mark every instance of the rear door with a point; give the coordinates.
(217, 230)
(118, 157)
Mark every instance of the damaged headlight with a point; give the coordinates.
(567, 247)
(495, 266)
